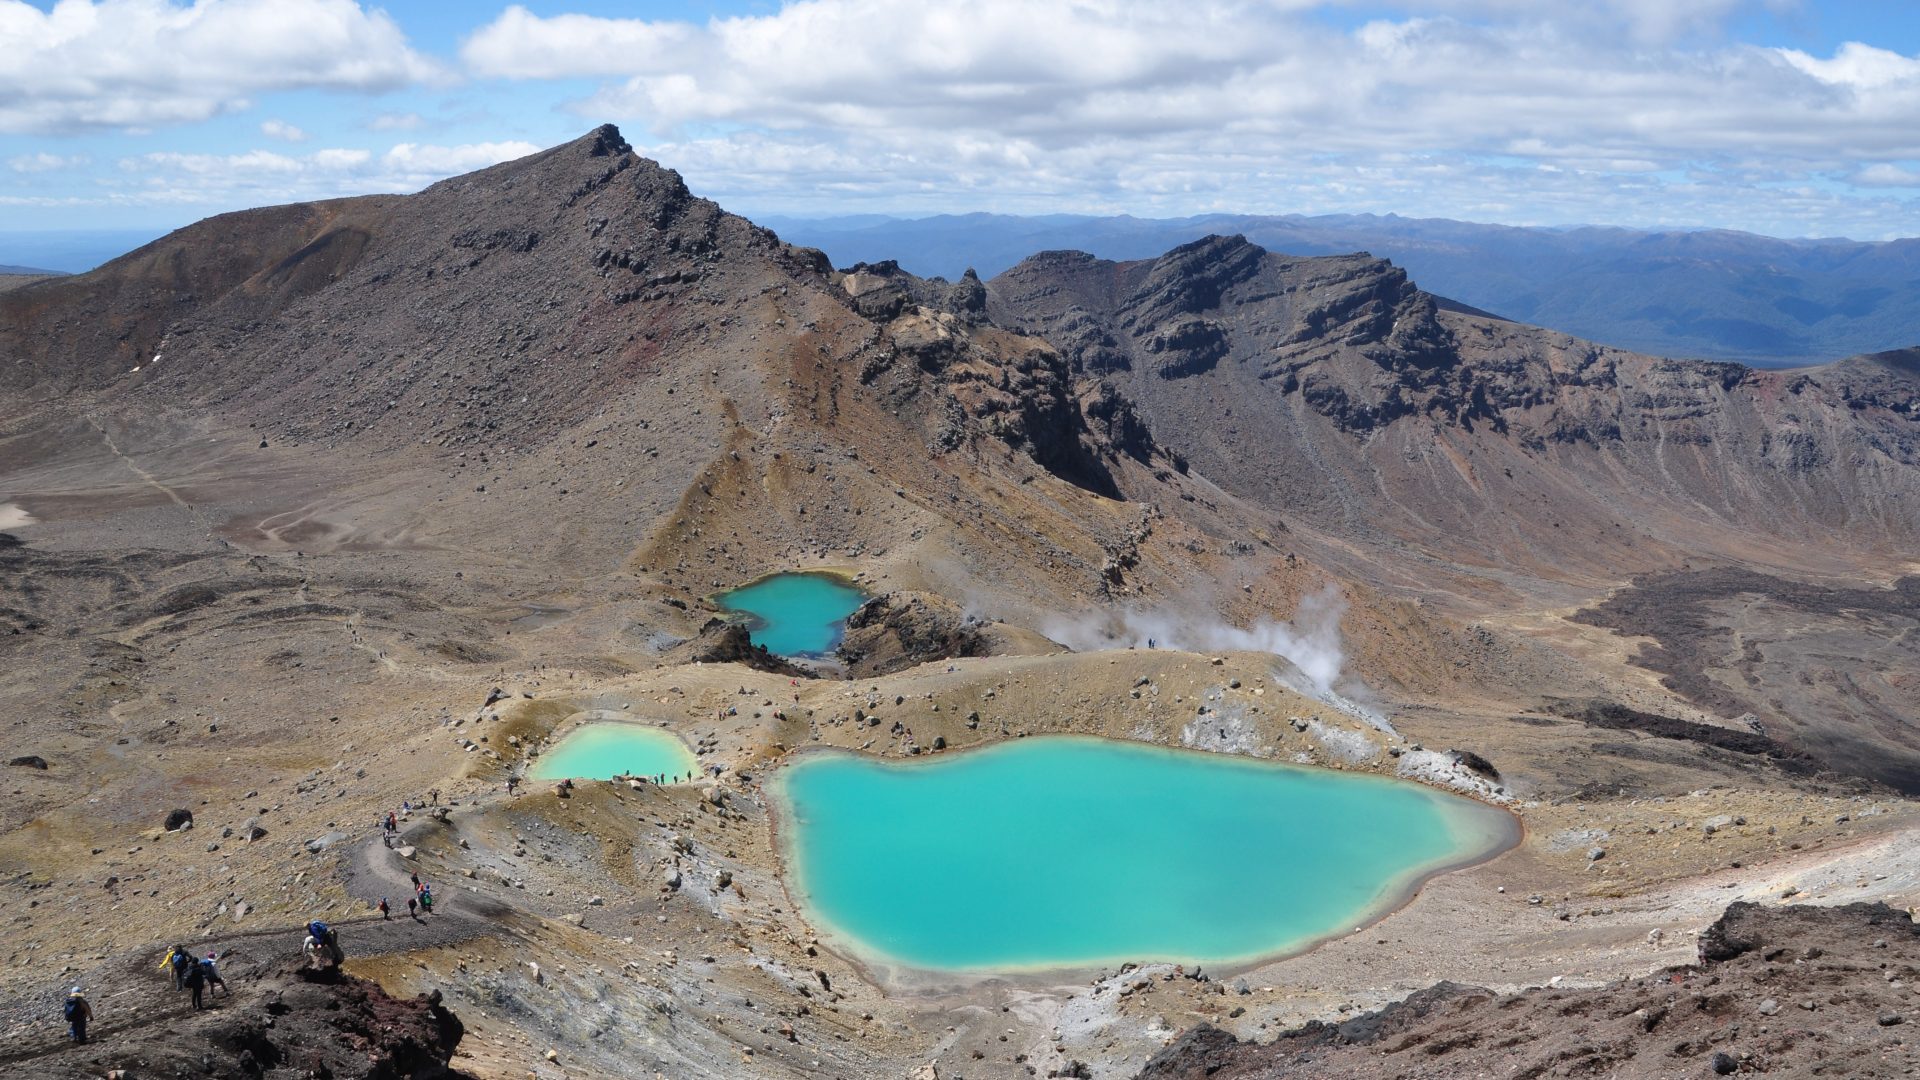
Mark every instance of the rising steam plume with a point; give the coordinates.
(1310, 643)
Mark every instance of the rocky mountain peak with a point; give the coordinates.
(604, 140)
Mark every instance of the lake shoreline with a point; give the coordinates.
(896, 976)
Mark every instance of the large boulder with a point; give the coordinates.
(179, 819)
(321, 843)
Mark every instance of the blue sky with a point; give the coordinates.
(1789, 118)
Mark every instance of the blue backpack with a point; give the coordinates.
(319, 931)
(73, 1009)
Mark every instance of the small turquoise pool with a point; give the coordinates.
(1072, 852)
(800, 614)
(605, 750)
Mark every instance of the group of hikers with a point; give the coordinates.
(421, 900)
(200, 975)
(196, 974)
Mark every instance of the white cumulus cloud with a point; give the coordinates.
(280, 129)
(415, 159)
(135, 64)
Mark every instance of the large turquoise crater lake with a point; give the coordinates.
(796, 614)
(1066, 852)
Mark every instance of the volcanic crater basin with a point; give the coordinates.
(1064, 853)
(799, 614)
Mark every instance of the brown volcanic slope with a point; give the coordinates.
(574, 321)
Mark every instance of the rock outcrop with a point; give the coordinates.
(279, 1020)
(901, 629)
(1781, 991)
(724, 641)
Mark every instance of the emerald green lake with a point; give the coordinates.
(1065, 852)
(795, 614)
(603, 751)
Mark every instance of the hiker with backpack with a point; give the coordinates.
(323, 945)
(426, 901)
(196, 981)
(383, 910)
(181, 960)
(78, 1013)
(210, 968)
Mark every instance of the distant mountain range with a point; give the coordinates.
(21, 270)
(1712, 294)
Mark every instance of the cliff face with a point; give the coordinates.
(940, 362)
(1335, 388)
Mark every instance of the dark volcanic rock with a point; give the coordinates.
(179, 819)
(1788, 678)
(1608, 714)
(722, 641)
(29, 761)
(968, 380)
(901, 629)
(1474, 762)
(278, 1020)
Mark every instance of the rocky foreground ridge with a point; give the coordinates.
(274, 1019)
(1799, 991)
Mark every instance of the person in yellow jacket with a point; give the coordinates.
(180, 960)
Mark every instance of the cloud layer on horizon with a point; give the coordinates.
(262, 177)
(1502, 110)
(1524, 111)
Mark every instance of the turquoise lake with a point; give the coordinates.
(1074, 852)
(603, 751)
(795, 614)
